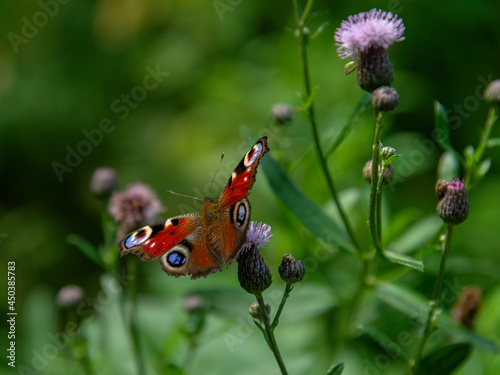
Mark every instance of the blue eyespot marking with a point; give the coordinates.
(136, 238)
(176, 259)
(241, 214)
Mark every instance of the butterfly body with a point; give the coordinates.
(196, 244)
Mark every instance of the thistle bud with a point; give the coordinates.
(492, 92)
(453, 206)
(69, 296)
(255, 312)
(375, 69)
(253, 274)
(193, 303)
(194, 306)
(282, 113)
(103, 182)
(385, 99)
(387, 152)
(388, 173)
(291, 270)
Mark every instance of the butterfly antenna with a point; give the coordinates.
(183, 195)
(217, 171)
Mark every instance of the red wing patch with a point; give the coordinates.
(243, 177)
(152, 241)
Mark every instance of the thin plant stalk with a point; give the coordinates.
(374, 210)
(129, 310)
(490, 120)
(481, 147)
(310, 112)
(286, 293)
(268, 331)
(434, 303)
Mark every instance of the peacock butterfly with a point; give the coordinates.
(195, 244)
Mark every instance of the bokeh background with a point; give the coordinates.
(228, 62)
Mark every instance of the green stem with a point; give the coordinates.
(269, 334)
(373, 208)
(129, 310)
(481, 147)
(286, 293)
(490, 120)
(303, 43)
(434, 302)
(379, 217)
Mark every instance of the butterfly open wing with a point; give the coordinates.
(179, 244)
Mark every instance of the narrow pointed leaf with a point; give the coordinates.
(414, 305)
(309, 213)
(417, 235)
(349, 125)
(445, 360)
(405, 260)
(443, 129)
(493, 142)
(336, 370)
(85, 247)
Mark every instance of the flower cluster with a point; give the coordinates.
(134, 206)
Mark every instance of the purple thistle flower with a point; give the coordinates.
(366, 30)
(103, 182)
(258, 234)
(253, 274)
(134, 206)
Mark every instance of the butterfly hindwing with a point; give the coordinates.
(235, 224)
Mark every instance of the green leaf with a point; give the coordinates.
(310, 100)
(448, 166)
(443, 129)
(414, 305)
(493, 142)
(384, 340)
(402, 299)
(85, 247)
(319, 30)
(417, 235)
(405, 260)
(483, 168)
(391, 159)
(336, 370)
(309, 213)
(445, 360)
(349, 125)
(446, 323)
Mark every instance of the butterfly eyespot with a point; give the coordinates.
(240, 213)
(253, 154)
(138, 237)
(176, 259)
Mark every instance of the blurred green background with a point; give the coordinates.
(228, 62)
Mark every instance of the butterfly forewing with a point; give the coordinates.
(243, 177)
(152, 241)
